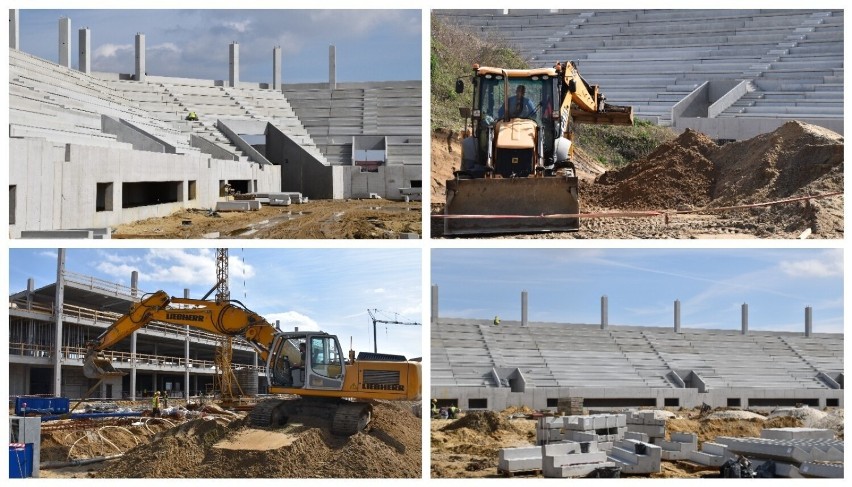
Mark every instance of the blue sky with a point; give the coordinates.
(372, 45)
(565, 285)
(328, 289)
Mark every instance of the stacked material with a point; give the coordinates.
(573, 459)
(636, 457)
(646, 422)
(600, 428)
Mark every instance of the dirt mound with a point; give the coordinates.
(486, 422)
(391, 449)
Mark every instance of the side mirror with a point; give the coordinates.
(459, 86)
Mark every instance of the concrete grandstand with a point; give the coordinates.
(479, 365)
(90, 150)
(731, 74)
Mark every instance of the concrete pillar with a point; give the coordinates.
(434, 304)
(234, 64)
(524, 321)
(809, 320)
(604, 312)
(677, 316)
(276, 68)
(140, 57)
(134, 283)
(14, 35)
(30, 291)
(58, 302)
(65, 42)
(332, 68)
(85, 46)
(186, 356)
(745, 319)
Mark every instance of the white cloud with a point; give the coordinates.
(379, 290)
(829, 264)
(51, 254)
(241, 26)
(111, 50)
(166, 46)
(292, 319)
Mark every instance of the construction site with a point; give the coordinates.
(108, 381)
(172, 155)
(524, 398)
(732, 124)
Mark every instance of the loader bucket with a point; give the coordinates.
(484, 201)
(97, 366)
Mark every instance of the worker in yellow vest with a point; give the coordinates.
(155, 405)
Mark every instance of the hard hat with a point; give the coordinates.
(157, 393)
(434, 400)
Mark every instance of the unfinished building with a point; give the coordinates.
(479, 365)
(728, 73)
(90, 150)
(49, 326)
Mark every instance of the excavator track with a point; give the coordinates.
(351, 418)
(271, 412)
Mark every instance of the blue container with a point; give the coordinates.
(20, 461)
(41, 405)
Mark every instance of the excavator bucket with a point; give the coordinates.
(97, 366)
(512, 205)
(611, 115)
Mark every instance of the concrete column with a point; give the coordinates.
(186, 356)
(434, 304)
(276, 68)
(14, 36)
(140, 57)
(524, 315)
(809, 320)
(57, 310)
(65, 42)
(85, 46)
(745, 319)
(604, 312)
(234, 64)
(332, 68)
(134, 283)
(30, 323)
(677, 316)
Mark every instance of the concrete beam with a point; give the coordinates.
(604, 312)
(84, 47)
(809, 321)
(276, 68)
(65, 42)
(745, 319)
(677, 316)
(234, 64)
(524, 321)
(14, 34)
(58, 302)
(140, 57)
(434, 303)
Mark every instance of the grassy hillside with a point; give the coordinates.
(455, 50)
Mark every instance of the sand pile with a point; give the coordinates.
(392, 448)
(485, 422)
(691, 172)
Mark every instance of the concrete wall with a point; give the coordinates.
(300, 171)
(56, 186)
(501, 397)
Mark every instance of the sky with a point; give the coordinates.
(566, 285)
(314, 289)
(371, 45)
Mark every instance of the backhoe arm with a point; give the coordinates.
(228, 318)
(586, 103)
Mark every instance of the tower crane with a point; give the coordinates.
(389, 322)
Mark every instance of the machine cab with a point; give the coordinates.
(307, 360)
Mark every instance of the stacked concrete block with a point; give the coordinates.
(822, 470)
(797, 434)
(572, 459)
(626, 454)
(679, 447)
(645, 422)
(632, 435)
(293, 196)
(601, 428)
(790, 451)
(521, 459)
(711, 454)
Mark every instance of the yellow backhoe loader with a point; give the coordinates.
(517, 164)
(310, 365)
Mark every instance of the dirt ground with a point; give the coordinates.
(468, 447)
(223, 445)
(693, 173)
(319, 219)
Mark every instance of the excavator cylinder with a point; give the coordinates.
(494, 205)
(97, 366)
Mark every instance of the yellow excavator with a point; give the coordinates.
(309, 364)
(517, 164)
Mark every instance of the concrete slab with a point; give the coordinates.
(822, 470)
(248, 205)
(521, 459)
(797, 434)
